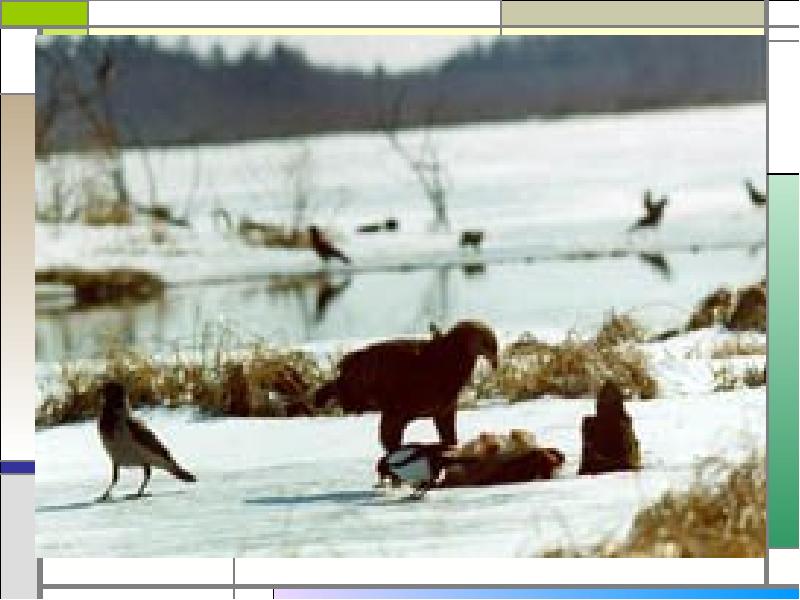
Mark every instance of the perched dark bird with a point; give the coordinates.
(654, 212)
(471, 237)
(129, 442)
(410, 379)
(389, 225)
(323, 247)
(609, 439)
(756, 197)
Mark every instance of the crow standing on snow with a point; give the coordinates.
(128, 441)
(654, 212)
(323, 247)
(756, 197)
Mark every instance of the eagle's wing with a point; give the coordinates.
(144, 437)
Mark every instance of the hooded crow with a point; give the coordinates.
(129, 442)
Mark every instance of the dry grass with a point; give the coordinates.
(258, 382)
(619, 328)
(93, 287)
(101, 212)
(727, 380)
(738, 347)
(573, 368)
(722, 515)
(744, 309)
(270, 235)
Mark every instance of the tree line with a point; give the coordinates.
(161, 95)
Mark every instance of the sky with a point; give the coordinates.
(395, 53)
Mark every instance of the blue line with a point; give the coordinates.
(17, 467)
(542, 593)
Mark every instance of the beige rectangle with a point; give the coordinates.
(553, 31)
(621, 13)
(17, 353)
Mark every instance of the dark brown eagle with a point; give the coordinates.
(409, 379)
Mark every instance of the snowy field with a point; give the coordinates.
(557, 258)
(303, 487)
(272, 488)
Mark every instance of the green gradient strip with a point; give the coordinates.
(782, 361)
(40, 14)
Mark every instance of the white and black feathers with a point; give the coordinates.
(420, 466)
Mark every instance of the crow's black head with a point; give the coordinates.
(113, 396)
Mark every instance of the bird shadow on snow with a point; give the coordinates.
(343, 497)
(96, 502)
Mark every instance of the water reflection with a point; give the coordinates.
(298, 308)
(657, 261)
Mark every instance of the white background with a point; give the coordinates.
(17, 77)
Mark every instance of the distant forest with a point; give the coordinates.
(157, 95)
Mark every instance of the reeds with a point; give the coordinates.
(100, 286)
(719, 520)
(723, 514)
(728, 380)
(738, 346)
(259, 381)
(744, 309)
(572, 368)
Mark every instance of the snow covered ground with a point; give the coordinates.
(557, 257)
(303, 487)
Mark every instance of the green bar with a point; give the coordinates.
(40, 14)
(782, 361)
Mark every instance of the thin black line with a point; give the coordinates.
(774, 41)
(771, 173)
(234, 577)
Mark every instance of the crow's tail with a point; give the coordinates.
(182, 474)
(342, 256)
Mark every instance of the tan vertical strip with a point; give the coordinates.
(618, 13)
(17, 351)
